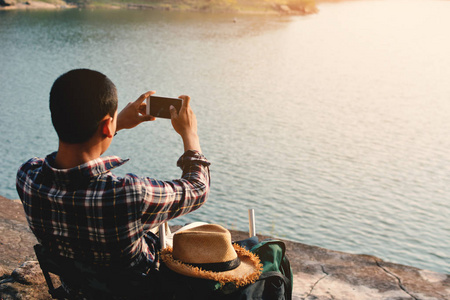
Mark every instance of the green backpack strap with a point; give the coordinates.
(272, 254)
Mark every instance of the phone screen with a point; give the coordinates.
(159, 107)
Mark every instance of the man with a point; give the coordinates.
(76, 207)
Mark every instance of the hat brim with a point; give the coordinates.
(247, 272)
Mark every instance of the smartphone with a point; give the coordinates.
(159, 107)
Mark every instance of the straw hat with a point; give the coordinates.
(207, 252)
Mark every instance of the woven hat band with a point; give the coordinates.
(219, 266)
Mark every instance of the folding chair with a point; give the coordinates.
(49, 265)
(81, 280)
(110, 283)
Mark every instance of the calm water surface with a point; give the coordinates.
(334, 127)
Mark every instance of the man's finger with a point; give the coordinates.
(142, 108)
(185, 101)
(173, 112)
(143, 97)
(147, 118)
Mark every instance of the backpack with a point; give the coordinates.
(275, 282)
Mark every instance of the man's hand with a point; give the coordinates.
(134, 113)
(185, 124)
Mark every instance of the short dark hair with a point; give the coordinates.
(79, 100)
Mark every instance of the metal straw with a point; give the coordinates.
(251, 222)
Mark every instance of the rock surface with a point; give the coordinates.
(33, 5)
(319, 274)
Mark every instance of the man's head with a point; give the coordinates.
(79, 101)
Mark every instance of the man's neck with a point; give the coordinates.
(72, 155)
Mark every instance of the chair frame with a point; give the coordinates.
(47, 267)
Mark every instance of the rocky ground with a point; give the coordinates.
(319, 273)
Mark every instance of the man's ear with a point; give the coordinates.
(107, 127)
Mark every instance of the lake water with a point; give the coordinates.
(334, 127)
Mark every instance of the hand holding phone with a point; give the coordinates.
(159, 107)
(134, 113)
(185, 124)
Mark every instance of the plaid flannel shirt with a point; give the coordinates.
(88, 213)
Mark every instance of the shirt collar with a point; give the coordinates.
(93, 168)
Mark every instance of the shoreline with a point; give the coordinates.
(265, 8)
(37, 5)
